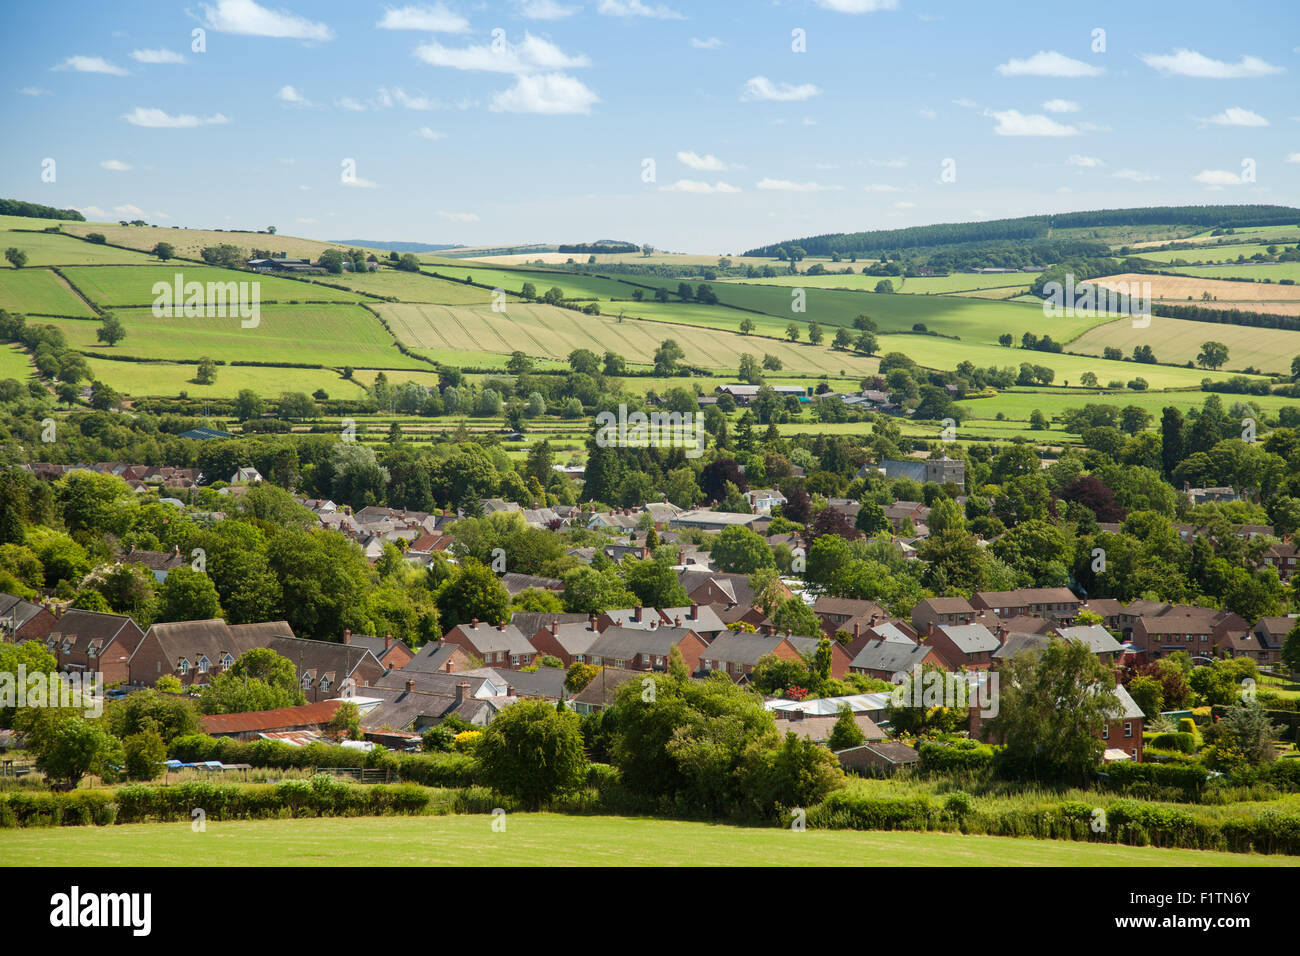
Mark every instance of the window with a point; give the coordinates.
(185, 666)
(596, 660)
(227, 662)
(1205, 637)
(1128, 728)
(306, 681)
(203, 665)
(738, 667)
(324, 683)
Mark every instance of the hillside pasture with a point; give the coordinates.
(116, 286)
(189, 242)
(915, 285)
(329, 335)
(512, 280)
(54, 249)
(550, 332)
(1179, 340)
(39, 292)
(170, 379)
(411, 287)
(1258, 272)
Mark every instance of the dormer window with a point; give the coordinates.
(324, 683)
(227, 661)
(306, 681)
(185, 666)
(204, 664)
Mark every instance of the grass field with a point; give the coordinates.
(512, 280)
(918, 285)
(552, 332)
(39, 292)
(1016, 404)
(1188, 290)
(15, 363)
(188, 242)
(411, 287)
(49, 249)
(333, 335)
(1260, 271)
(168, 379)
(1179, 340)
(114, 286)
(532, 839)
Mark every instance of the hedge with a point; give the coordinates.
(1184, 742)
(961, 755)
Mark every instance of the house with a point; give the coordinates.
(835, 612)
(1283, 556)
(21, 620)
(1271, 633)
(737, 654)
(901, 512)
(252, 724)
(818, 729)
(941, 610)
(1099, 640)
(417, 701)
(878, 758)
(438, 657)
(764, 500)
(324, 667)
(963, 645)
(1123, 731)
(886, 660)
(718, 588)
(569, 641)
(92, 641)
(717, 520)
(1041, 602)
(941, 470)
(700, 618)
(600, 693)
(515, 583)
(1184, 627)
(246, 476)
(160, 563)
(645, 649)
(191, 650)
(389, 652)
(497, 645)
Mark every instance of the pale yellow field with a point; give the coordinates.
(1179, 340)
(188, 242)
(1188, 290)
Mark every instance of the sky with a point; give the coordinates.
(702, 126)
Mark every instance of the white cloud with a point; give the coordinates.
(695, 186)
(857, 6)
(1049, 63)
(34, 91)
(115, 165)
(889, 163)
(1183, 62)
(288, 94)
(348, 103)
(425, 132)
(761, 88)
(128, 210)
(92, 212)
(882, 188)
(532, 55)
(406, 99)
(548, 93)
(1218, 177)
(544, 9)
(710, 43)
(635, 8)
(91, 64)
(458, 216)
(246, 18)
(434, 19)
(156, 56)
(926, 113)
(1292, 158)
(1134, 175)
(904, 204)
(1085, 161)
(358, 182)
(1235, 116)
(157, 119)
(785, 185)
(1061, 106)
(1015, 123)
(161, 215)
(696, 161)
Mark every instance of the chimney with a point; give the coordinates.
(857, 628)
(347, 635)
(929, 629)
(510, 690)
(501, 626)
(555, 626)
(636, 615)
(388, 641)
(410, 686)
(474, 623)
(796, 714)
(461, 690)
(678, 620)
(874, 618)
(695, 610)
(449, 667)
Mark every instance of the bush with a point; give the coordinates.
(1182, 741)
(960, 755)
(1186, 726)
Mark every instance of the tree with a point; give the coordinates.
(248, 405)
(579, 676)
(749, 370)
(207, 373)
(871, 518)
(1148, 693)
(163, 250)
(884, 285)
(144, 754)
(667, 356)
(111, 330)
(846, 733)
(533, 752)
(738, 550)
(792, 332)
(1248, 728)
(1051, 713)
(655, 584)
(473, 593)
(67, 747)
(793, 616)
(1212, 355)
(1291, 649)
(187, 595)
(843, 339)
(815, 334)
(747, 326)
(17, 258)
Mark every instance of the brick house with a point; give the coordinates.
(1039, 602)
(941, 610)
(389, 652)
(570, 642)
(1271, 633)
(1124, 732)
(496, 645)
(736, 654)
(191, 650)
(1285, 557)
(91, 641)
(884, 660)
(21, 620)
(324, 667)
(963, 645)
(438, 657)
(645, 650)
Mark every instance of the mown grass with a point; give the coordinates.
(109, 286)
(39, 292)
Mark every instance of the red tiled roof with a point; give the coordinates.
(281, 718)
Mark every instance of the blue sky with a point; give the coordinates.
(533, 120)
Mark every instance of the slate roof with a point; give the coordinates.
(890, 656)
(623, 644)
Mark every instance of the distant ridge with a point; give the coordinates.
(400, 246)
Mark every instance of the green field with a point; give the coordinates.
(512, 280)
(534, 839)
(1228, 252)
(1179, 340)
(552, 332)
(120, 286)
(331, 335)
(1264, 270)
(15, 363)
(1016, 404)
(39, 292)
(917, 285)
(411, 287)
(50, 249)
(169, 379)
